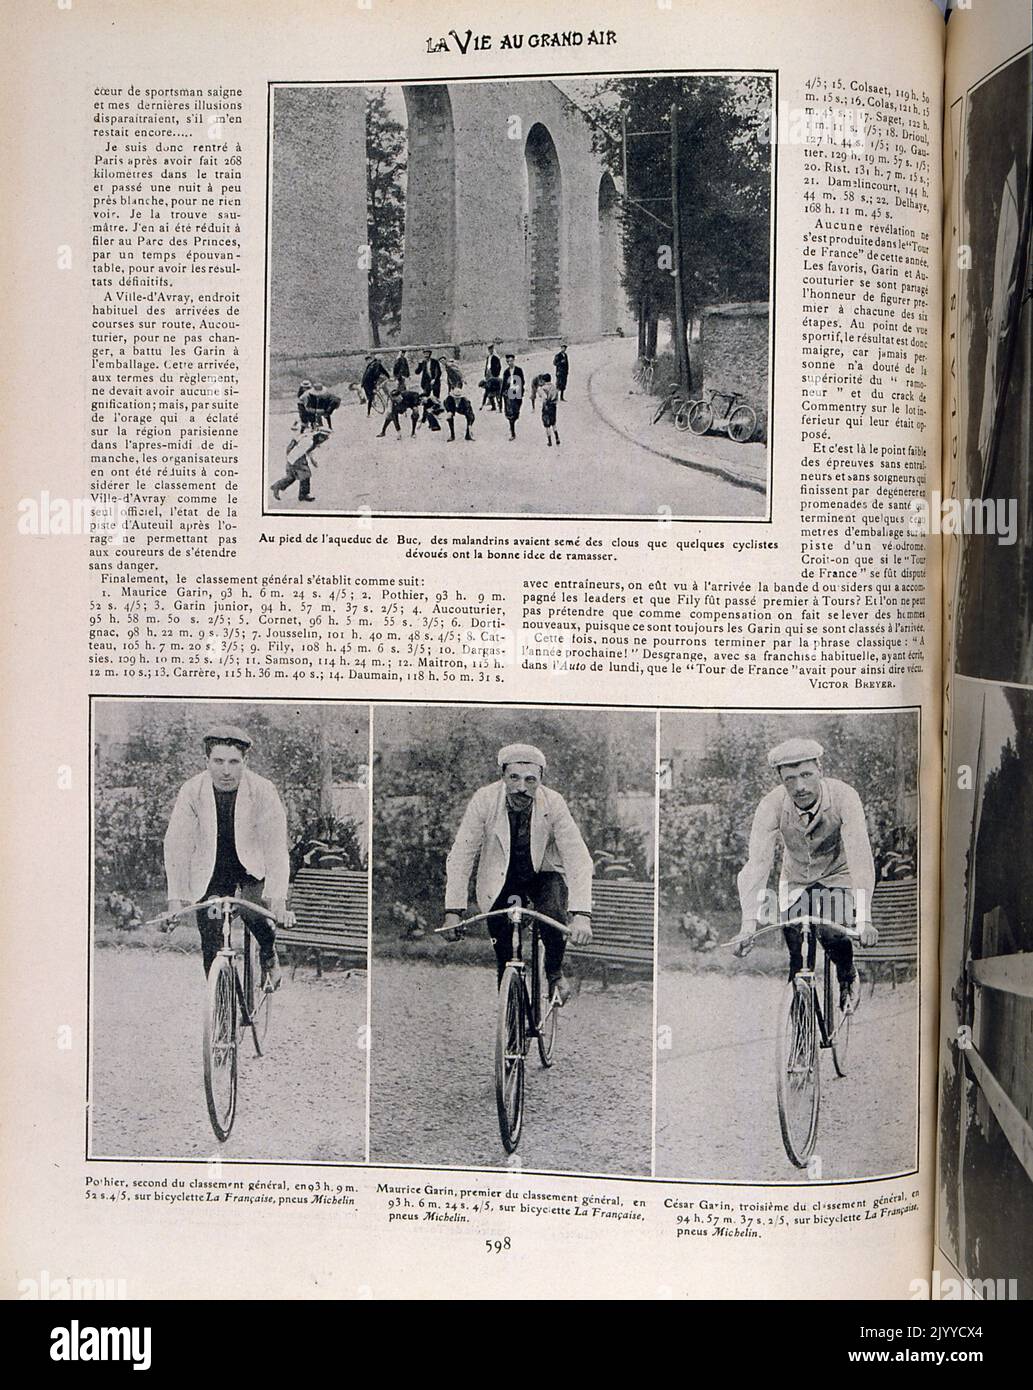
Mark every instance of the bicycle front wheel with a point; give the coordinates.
(547, 1013)
(700, 417)
(797, 1075)
(509, 1059)
(220, 1047)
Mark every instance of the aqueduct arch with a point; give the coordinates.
(428, 279)
(544, 230)
(511, 226)
(610, 296)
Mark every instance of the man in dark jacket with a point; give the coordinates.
(320, 404)
(512, 392)
(374, 372)
(492, 379)
(430, 374)
(401, 370)
(562, 365)
(402, 400)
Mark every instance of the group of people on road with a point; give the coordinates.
(417, 392)
(425, 391)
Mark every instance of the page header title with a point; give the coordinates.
(454, 42)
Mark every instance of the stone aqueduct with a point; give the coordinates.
(511, 227)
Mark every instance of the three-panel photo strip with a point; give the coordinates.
(618, 942)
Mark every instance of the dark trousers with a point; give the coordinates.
(211, 927)
(297, 471)
(835, 906)
(545, 892)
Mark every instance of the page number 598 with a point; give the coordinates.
(496, 1247)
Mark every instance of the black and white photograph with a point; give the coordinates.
(229, 976)
(994, 620)
(521, 298)
(513, 938)
(787, 989)
(986, 1016)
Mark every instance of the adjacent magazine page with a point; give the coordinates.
(463, 474)
(985, 1196)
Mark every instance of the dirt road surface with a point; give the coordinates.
(597, 471)
(716, 1114)
(305, 1099)
(433, 1090)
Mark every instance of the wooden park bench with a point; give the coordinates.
(331, 911)
(623, 918)
(895, 918)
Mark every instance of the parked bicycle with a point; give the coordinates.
(723, 410)
(673, 402)
(643, 373)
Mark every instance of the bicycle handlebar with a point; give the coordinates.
(852, 933)
(508, 912)
(220, 902)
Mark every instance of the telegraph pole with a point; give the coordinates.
(681, 346)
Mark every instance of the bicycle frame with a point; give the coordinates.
(229, 907)
(516, 916)
(810, 926)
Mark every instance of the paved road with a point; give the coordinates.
(433, 1090)
(305, 1099)
(595, 472)
(716, 1114)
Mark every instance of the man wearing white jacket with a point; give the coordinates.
(228, 831)
(528, 849)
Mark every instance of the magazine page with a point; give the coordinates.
(985, 1206)
(473, 675)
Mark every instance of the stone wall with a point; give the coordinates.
(733, 345)
(319, 295)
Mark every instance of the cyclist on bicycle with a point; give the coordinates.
(827, 868)
(528, 851)
(228, 831)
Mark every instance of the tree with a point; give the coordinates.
(386, 161)
(723, 178)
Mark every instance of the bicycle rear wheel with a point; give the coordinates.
(220, 1046)
(741, 424)
(797, 1075)
(837, 1022)
(547, 1013)
(509, 1059)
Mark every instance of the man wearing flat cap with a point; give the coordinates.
(827, 868)
(228, 831)
(527, 849)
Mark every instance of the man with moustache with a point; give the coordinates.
(527, 849)
(827, 867)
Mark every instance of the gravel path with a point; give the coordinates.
(305, 1099)
(716, 1114)
(433, 1091)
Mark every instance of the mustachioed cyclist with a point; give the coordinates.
(528, 849)
(827, 868)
